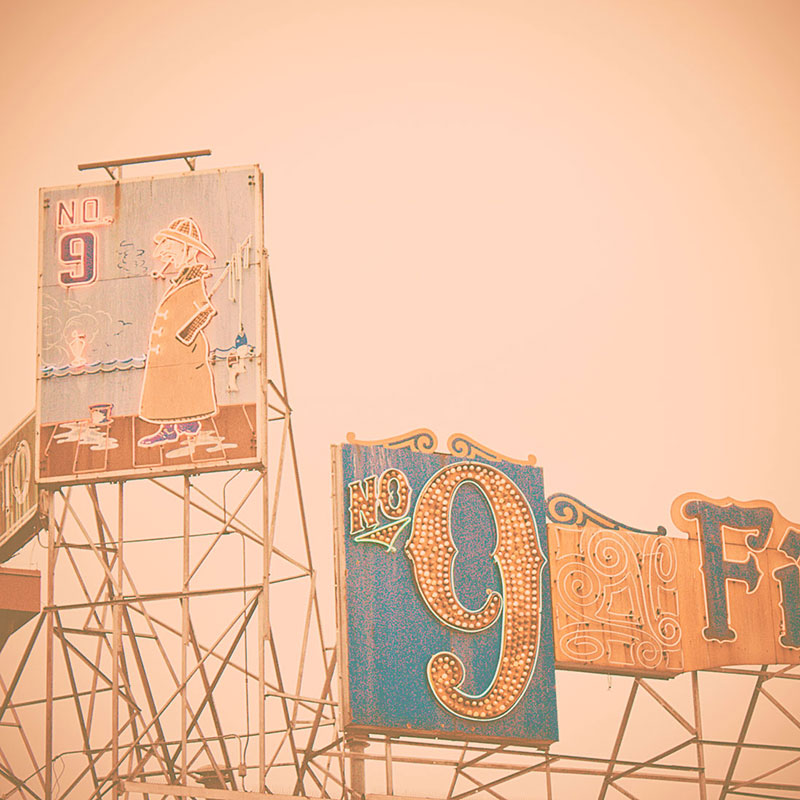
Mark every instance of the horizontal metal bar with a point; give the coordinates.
(165, 790)
(751, 673)
(98, 632)
(566, 770)
(42, 700)
(313, 700)
(143, 598)
(121, 162)
(194, 740)
(753, 745)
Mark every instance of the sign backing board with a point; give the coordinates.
(20, 519)
(642, 603)
(444, 596)
(151, 338)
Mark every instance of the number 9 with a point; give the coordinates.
(77, 251)
(432, 552)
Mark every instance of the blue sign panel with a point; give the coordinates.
(444, 587)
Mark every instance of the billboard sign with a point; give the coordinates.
(151, 340)
(20, 519)
(444, 590)
(461, 590)
(725, 593)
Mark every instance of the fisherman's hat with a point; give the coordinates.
(187, 231)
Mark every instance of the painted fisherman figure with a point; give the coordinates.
(178, 387)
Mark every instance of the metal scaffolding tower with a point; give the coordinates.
(181, 640)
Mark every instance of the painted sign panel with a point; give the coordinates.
(457, 600)
(19, 496)
(444, 592)
(615, 599)
(150, 330)
(632, 602)
(741, 577)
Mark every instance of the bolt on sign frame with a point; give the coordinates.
(151, 342)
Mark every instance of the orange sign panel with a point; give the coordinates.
(633, 602)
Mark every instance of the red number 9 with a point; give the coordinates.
(77, 252)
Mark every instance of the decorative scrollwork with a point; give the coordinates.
(464, 447)
(421, 440)
(615, 599)
(564, 509)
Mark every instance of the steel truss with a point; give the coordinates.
(180, 650)
(762, 760)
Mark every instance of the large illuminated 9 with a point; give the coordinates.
(433, 552)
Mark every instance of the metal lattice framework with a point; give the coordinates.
(181, 640)
(182, 652)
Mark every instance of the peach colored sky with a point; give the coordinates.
(566, 228)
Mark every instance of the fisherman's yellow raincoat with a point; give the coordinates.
(178, 383)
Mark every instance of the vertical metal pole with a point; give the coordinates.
(698, 726)
(389, 776)
(263, 611)
(116, 647)
(358, 782)
(263, 600)
(48, 742)
(185, 632)
(548, 774)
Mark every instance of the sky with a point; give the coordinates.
(562, 228)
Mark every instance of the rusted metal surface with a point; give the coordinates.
(20, 599)
(20, 515)
(151, 354)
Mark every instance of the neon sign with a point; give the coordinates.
(479, 589)
(78, 253)
(461, 573)
(393, 495)
(152, 314)
(81, 212)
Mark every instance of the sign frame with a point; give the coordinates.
(478, 456)
(259, 356)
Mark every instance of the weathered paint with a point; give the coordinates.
(20, 519)
(740, 581)
(412, 609)
(151, 339)
(631, 602)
